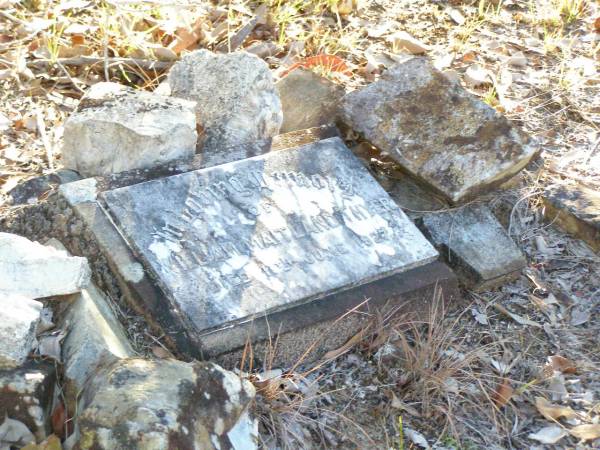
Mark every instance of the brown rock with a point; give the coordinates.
(437, 131)
(308, 100)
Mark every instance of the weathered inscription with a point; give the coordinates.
(257, 235)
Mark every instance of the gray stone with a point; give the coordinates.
(19, 317)
(34, 189)
(414, 199)
(308, 100)
(94, 338)
(438, 131)
(576, 209)
(141, 404)
(261, 235)
(475, 245)
(308, 324)
(26, 395)
(248, 150)
(33, 270)
(235, 94)
(116, 128)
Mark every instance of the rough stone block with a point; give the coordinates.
(116, 128)
(141, 404)
(26, 395)
(437, 131)
(33, 270)
(475, 245)
(235, 94)
(576, 209)
(94, 338)
(34, 189)
(266, 234)
(19, 317)
(308, 100)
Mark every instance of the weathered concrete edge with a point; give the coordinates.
(406, 292)
(573, 225)
(139, 290)
(300, 339)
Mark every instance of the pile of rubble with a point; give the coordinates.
(442, 147)
(101, 393)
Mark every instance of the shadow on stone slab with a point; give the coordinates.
(307, 100)
(26, 395)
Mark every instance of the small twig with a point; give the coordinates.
(68, 75)
(146, 64)
(12, 18)
(105, 46)
(238, 37)
(41, 126)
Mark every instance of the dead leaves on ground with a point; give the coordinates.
(553, 412)
(326, 63)
(503, 393)
(587, 432)
(560, 364)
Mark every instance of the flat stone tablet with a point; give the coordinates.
(260, 235)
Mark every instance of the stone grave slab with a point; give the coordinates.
(475, 245)
(575, 208)
(260, 235)
(308, 237)
(437, 131)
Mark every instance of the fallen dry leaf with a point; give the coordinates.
(161, 352)
(548, 435)
(358, 337)
(562, 364)
(503, 393)
(476, 75)
(401, 40)
(519, 319)
(60, 421)
(416, 438)
(587, 432)
(551, 411)
(329, 63)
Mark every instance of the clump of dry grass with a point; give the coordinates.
(429, 370)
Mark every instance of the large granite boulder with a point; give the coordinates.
(19, 317)
(437, 131)
(236, 98)
(117, 128)
(33, 270)
(141, 404)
